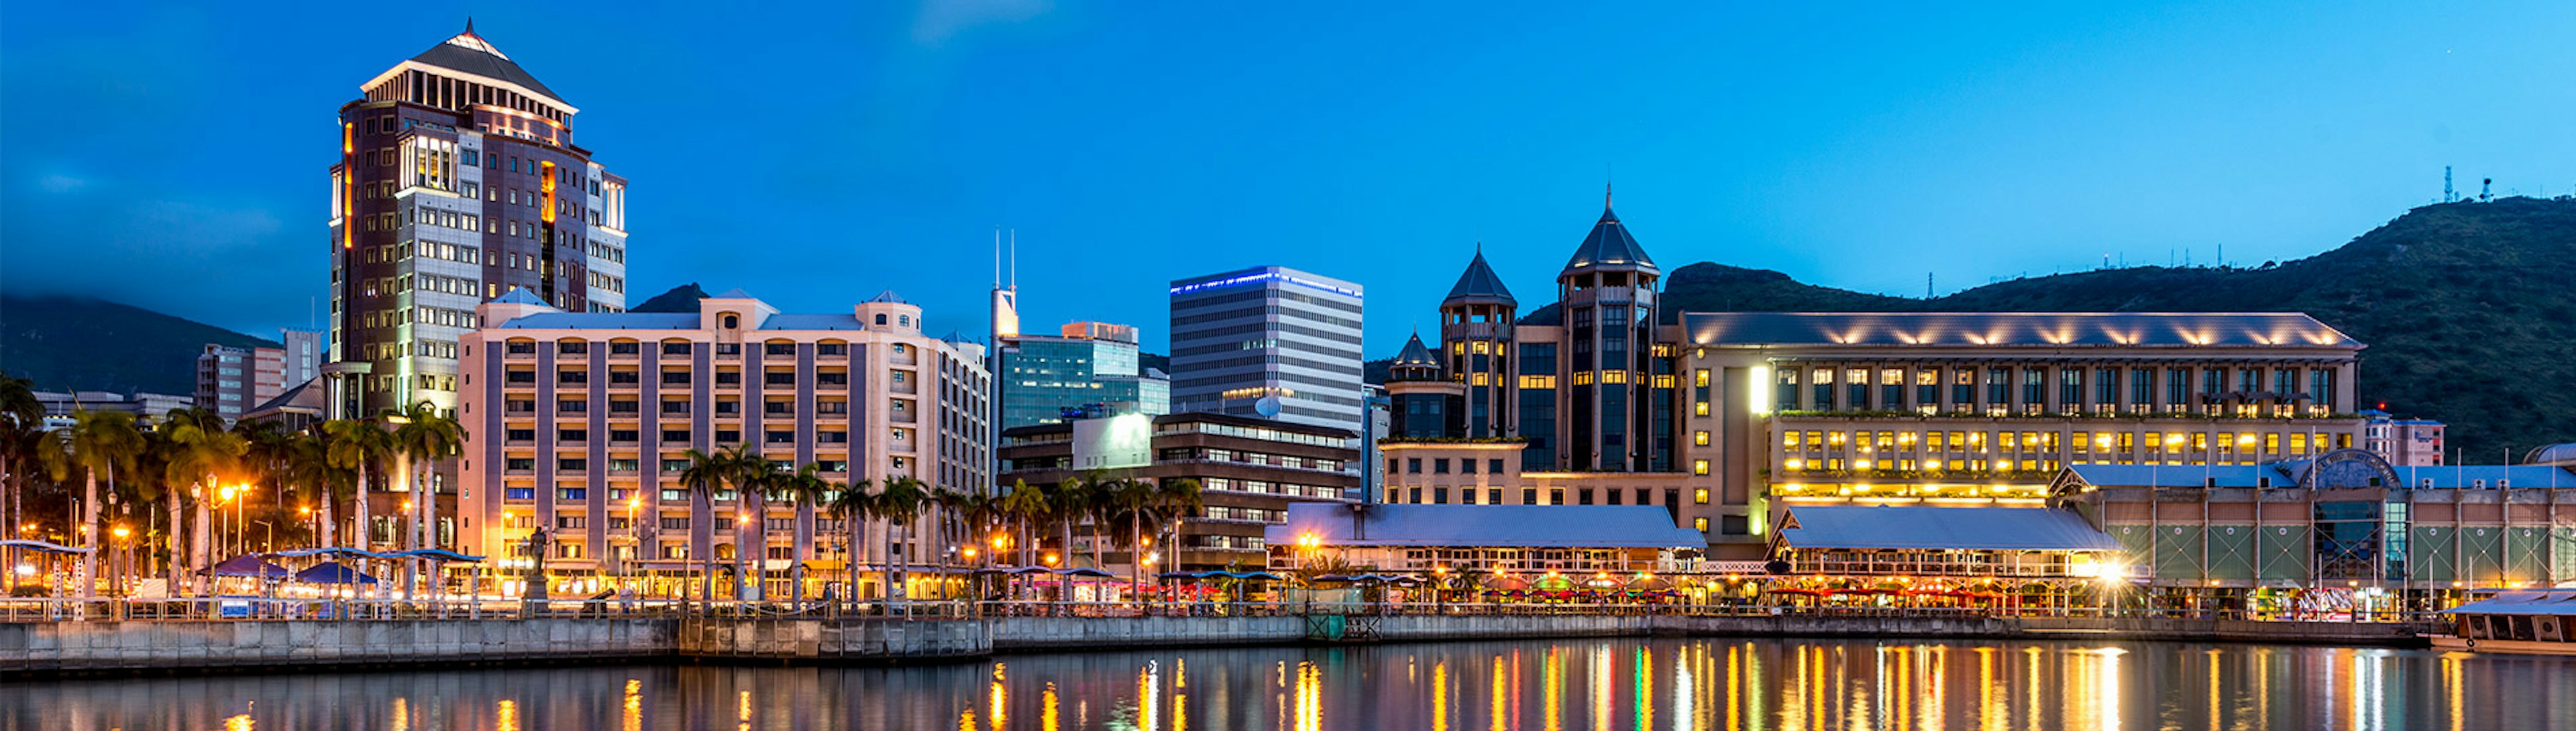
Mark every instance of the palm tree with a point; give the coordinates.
(97, 441)
(422, 436)
(22, 422)
(805, 488)
(199, 452)
(357, 445)
(755, 477)
(1025, 504)
(706, 474)
(900, 503)
(1176, 501)
(855, 506)
(317, 480)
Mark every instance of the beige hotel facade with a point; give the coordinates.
(578, 424)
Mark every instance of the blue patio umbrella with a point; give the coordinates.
(333, 572)
(248, 565)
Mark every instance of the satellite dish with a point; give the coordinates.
(1266, 406)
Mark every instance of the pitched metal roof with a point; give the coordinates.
(2290, 473)
(1479, 282)
(2013, 329)
(603, 321)
(1898, 527)
(1416, 354)
(518, 296)
(1549, 526)
(471, 54)
(1609, 245)
(2559, 603)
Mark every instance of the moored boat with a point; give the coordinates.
(2520, 622)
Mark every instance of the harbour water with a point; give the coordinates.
(1539, 685)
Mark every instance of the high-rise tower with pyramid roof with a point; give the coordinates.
(1476, 342)
(1607, 296)
(457, 180)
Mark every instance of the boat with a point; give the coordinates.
(2518, 622)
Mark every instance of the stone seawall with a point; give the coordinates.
(142, 646)
(157, 645)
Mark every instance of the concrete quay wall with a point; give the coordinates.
(75, 647)
(144, 646)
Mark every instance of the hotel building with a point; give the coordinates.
(1608, 398)
(578, 423)
(233, 380)
(1269, 342)
(457, 180)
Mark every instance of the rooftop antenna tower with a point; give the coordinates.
(1927, 285)
(2448, 196)
(2486, 190)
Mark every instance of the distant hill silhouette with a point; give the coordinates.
(2469, 311)
(683, 298)
(67, 343)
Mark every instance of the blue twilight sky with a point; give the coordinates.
(174, 156)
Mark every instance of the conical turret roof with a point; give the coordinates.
(1416, 354)
(1610, 246)
(1479, 282)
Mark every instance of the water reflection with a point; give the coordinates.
(1635, 685)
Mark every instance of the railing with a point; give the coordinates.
(238, 609)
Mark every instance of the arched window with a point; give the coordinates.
(881, 318)
(731, 321)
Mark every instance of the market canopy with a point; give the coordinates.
(333, 572)
(434, 554)
(1916, 527)
(250, 565)
(336, 551)
(2562, 603)
(35, 545)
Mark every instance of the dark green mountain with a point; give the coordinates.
(683, 298)
(2469, 311)
(77, 343)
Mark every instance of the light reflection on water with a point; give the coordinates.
(1634, 685)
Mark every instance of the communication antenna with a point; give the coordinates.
(1927, 285)
(2486, 190)
(2447, 195)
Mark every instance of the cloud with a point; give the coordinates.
(60, 183)
(940, 20)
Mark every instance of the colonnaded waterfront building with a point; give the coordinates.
(1607, 397)
(579, 423)
(457, 180)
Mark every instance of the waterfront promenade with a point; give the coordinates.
(199, 636)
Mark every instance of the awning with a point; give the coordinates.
(2560, 603)
(435, 554)
(1912, 527)
(335, 552)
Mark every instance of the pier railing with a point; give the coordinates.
(28, 610)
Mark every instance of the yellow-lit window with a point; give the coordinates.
(1458, 348)
(1699, 496)
(1479, 347)
(2200, 442)
(1582, 378)
(2128, 441)
(2155, 441)
(1699, 524)
(1699, 467)
(1538, 381)
(2272, 443)
(1699, 377)
(1479, 378)
(1699, 409)
(1614, 376)
(2298, 444)
(1663, 380)
(1700, 438)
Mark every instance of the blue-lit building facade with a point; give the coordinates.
(1269, 342)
